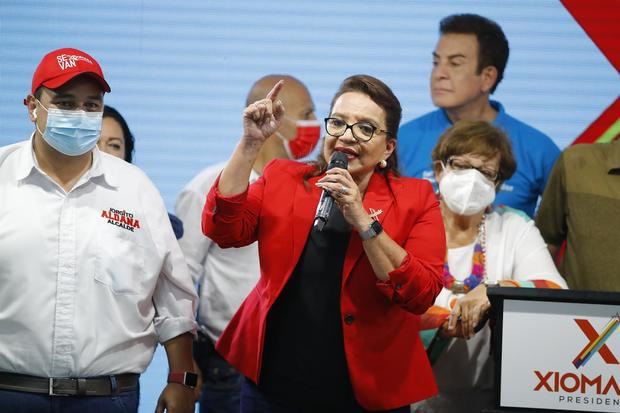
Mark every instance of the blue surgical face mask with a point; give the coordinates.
(72, 132)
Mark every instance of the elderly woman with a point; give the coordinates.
(332, 325)
(485, 246)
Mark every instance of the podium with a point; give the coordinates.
(555, 350)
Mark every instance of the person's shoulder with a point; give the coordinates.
(524, 130)
(287, 167)
(584, 156)
(403, 187)
(8, 150)
(13, 146)
(204, 179)
(585, 150)
(518, 129)
(505, 218)
(122, 172)
(424, 122)
(115, 163)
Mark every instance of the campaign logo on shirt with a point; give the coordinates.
(506, 187)
(121, 218)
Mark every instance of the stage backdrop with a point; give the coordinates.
(180, 71)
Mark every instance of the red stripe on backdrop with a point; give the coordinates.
(601, 124)
(600, 19)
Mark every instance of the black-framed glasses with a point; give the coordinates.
(457, 164)
(362, 131)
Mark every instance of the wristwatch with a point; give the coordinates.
(372, 231)
(186, 378)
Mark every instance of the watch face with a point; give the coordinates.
(191, 379)
(376, 226)
(185, 378)
(374, 230)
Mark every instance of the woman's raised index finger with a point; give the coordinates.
(273, 93)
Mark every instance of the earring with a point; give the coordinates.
(382, 164)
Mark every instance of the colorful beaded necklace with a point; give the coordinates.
(478, 270)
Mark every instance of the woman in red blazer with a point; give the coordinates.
(332, 325)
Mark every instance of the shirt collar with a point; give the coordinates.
(501, 113)
(104, 169)
(499, 119)
(28, 163)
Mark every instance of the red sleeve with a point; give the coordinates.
(417, 281)
(232, 221)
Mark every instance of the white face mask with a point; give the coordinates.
(466, 192)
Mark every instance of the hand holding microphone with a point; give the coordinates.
(340, 188)
(326, 202)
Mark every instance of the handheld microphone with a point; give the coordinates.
(339, 160)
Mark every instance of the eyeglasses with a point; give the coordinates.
(362, 131)
(457, 164)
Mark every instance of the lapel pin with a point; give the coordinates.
(374, 213)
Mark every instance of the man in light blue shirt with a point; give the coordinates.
(468, 64)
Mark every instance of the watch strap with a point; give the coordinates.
(186, 378)
(373, 230)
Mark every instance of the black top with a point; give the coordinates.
(304, 364)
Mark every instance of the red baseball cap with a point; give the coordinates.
(60, 66)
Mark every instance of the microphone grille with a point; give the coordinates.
(339, 160)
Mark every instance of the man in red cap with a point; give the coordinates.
(92, 276)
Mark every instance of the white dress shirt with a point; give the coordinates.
(224, 276)
(90, 279)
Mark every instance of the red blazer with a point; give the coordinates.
(387, 363)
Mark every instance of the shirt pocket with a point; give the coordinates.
(120, 261)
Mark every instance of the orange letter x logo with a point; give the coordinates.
(597, 342)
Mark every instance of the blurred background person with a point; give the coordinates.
(226, 276)
(580, 206)
(468, 64)
(116, 139)
(332, 324)
(486, 246)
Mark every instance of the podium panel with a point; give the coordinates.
(556, 350)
